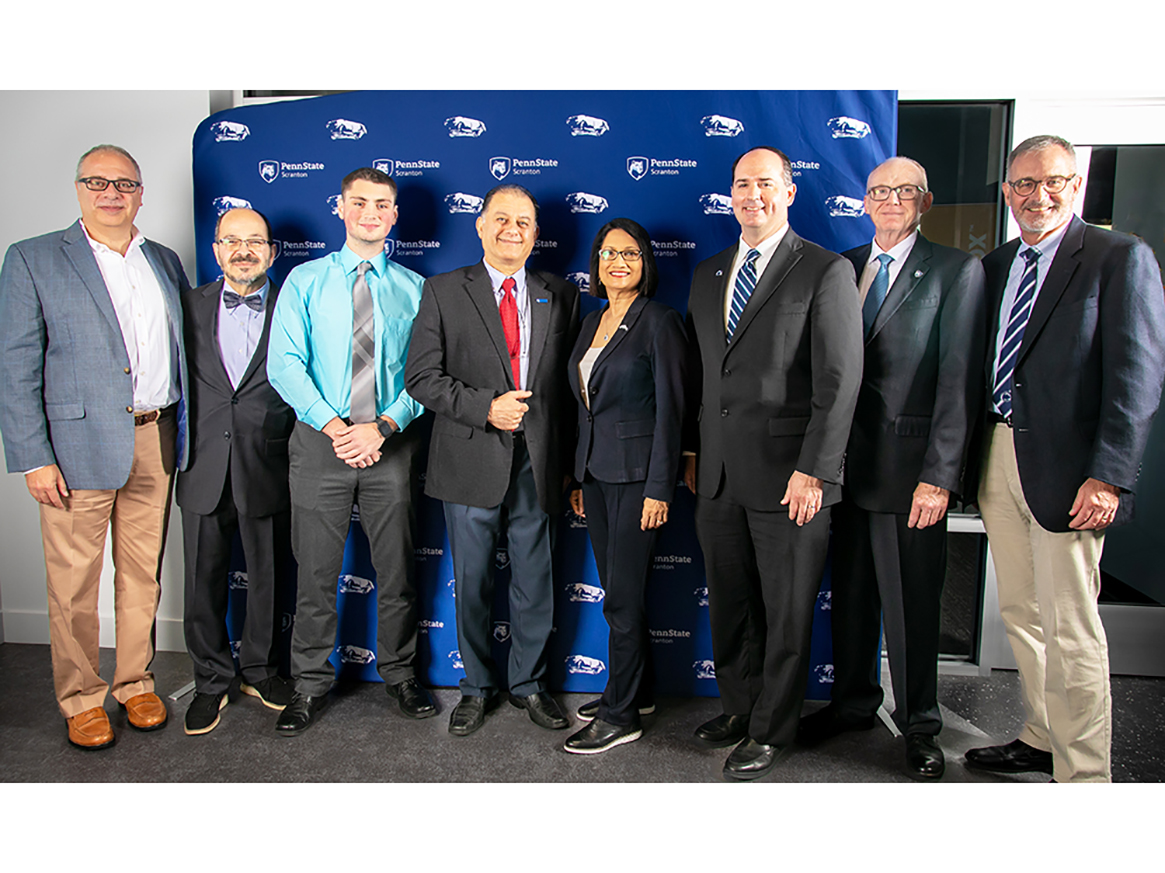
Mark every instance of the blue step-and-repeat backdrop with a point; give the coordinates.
(662, 158)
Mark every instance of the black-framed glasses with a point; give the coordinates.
(96, 183)
(1052, 184)
(233, 242)
(629, 256)
(904, 192)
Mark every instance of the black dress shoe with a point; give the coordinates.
(924, 758)
(415, 701)
(544, 710)
(752, 760)
(1016, 757)
(599, 735)
(299, 715)
(469, 714)
(723, 730)
(817, 727)
(589, 710)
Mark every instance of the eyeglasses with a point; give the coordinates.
(233, 242)
(904, 192)
(1052, 184)
(96, 183)
(629, 256)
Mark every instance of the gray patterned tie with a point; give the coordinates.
(363, 402)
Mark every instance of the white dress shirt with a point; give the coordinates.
(899, 253)
(766, 248)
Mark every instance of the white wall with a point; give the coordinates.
(45, 132)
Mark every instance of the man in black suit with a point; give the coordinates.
(776, 365)
(237, 478)
(923, 314)
(488, 356)
(1075, 363)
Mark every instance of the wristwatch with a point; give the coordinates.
(385, 428)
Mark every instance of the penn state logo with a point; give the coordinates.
(385, 165)
(229, 131)
(704, 669)
(585, 665)
(501, 631)
(502, 559)
(721, 125)
(844, 127)
(334, 205)
(716, 204)
(455, 660)
(824, 673)
(235, 645)
(268, 171)
(580, 201)
(225, 203)
(459, 125)
(237, 581)
(840, 206)
(350, 584)
(356, 655)
(288, 621)
(579, 592)
(276, 248)
(587, 125)
(355, 516)
(701, 596)
(499, 167)
(342, 128)
(389, 247)
(583, 280)
(637, 167)
(460, 202)
(824, 600)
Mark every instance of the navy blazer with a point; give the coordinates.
(632, 431)
(67, 390)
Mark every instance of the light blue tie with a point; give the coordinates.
(745, 283)
(1021, 311)
(877, 293)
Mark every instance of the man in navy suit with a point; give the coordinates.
(922, 307)
(93, 372)
(1075, 362)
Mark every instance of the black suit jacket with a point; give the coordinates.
(1089, 371)
(631, 433)
(457, 365)
(781, 396)
(238, 432)
(922, 380)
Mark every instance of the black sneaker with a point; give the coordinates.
(274, 691)
(202, 716)
(589, 710)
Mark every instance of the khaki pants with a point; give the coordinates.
(74, 547)
(1048, 589)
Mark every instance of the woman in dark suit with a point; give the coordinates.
(627, 373)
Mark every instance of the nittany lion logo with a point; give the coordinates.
(824, 673)
(455, 660)
(385, 165)
(355, 655)
(499, 167)
(342, 128)
(389, 247)
(268, 171)
(840, 206)
(584, 664)
(844, 127)
(637, 167)
(716, 204)
(579, 592)
(580, 201)
(587, 125)
(501, 631)
(237, 581)
(224, 203)
(229, 131)
(334, 204)
(824, 600)
(235, 645)
(701, 596)
(704, 669)
(721, 125)
(502, 558)
(583, 280)
(459, 125)
(350, 584)
(460, 202)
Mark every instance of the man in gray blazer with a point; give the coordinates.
(93, 370)
(488, 356)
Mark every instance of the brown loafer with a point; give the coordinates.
(91, 730)
(145, 712)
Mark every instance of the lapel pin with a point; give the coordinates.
(541, 300)
(622, 327)
(719, 272)
(918, 274)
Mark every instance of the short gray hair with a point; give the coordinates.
(106, 147)
(1040, 143)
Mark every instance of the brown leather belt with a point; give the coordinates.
(153, 415)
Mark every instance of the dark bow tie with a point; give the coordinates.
(231, 299)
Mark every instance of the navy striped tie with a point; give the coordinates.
(1021, 311)
(745, 283)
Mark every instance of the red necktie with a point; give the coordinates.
(509, 312)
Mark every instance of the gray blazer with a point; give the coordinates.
(63, 364)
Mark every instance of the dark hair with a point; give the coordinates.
(650, 280)
(513, 189)
(1041, 143)
(787, 165)
(266, 223)
(367, 174)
